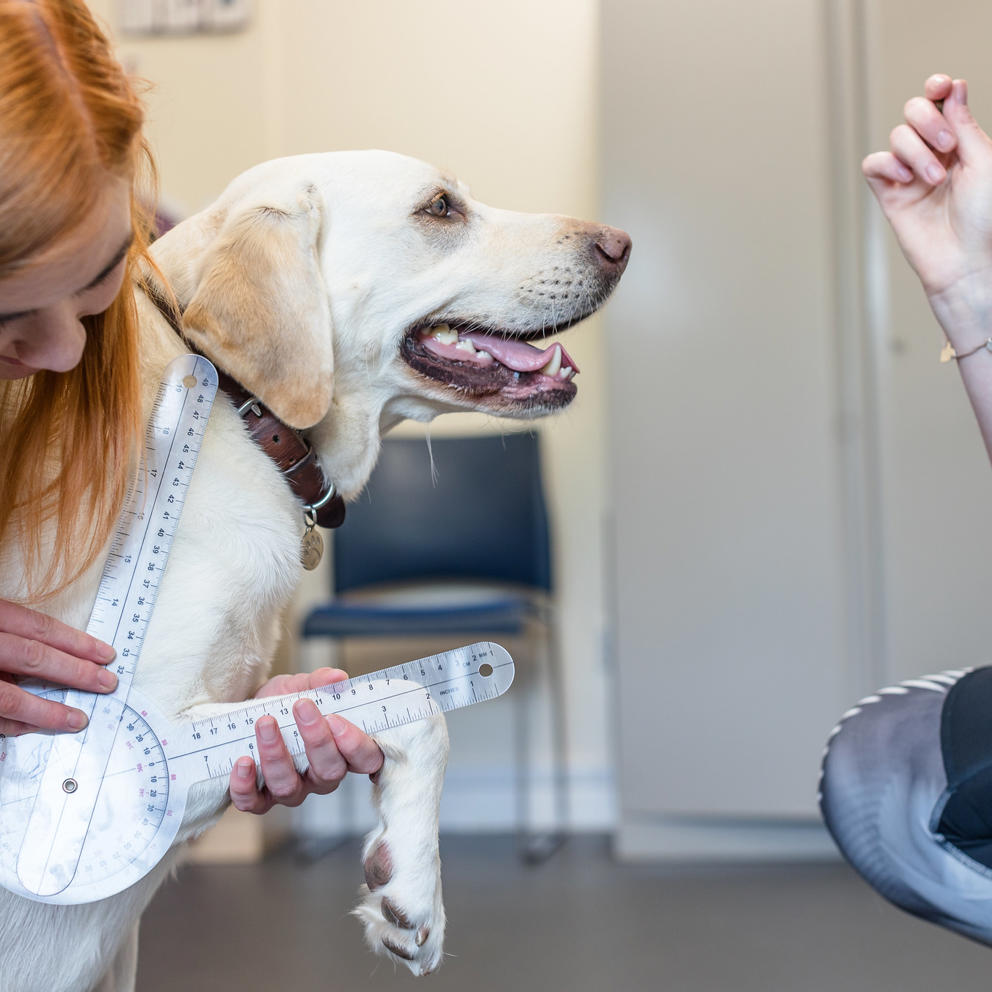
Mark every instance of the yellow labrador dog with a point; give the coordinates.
(345, 291)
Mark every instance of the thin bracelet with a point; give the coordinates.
(947, 353)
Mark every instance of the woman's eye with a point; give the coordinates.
(439, 207)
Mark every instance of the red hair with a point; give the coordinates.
(70, 120)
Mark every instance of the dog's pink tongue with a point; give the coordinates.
(516, 355)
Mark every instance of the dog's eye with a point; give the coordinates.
(438, 207)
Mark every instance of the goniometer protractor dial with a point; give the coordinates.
(134, 820)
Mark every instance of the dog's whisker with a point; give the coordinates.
(433, 463)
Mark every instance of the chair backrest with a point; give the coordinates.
(479, 515)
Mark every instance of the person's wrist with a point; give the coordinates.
(964, 311)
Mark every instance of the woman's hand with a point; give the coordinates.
(333, 746)
(934, 186)
(33, 645)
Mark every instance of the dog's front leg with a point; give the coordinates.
(401, 903)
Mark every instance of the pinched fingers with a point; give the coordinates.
(912, 150)
(938, 86)
(924, 146)
(926, 119)
(885, 166)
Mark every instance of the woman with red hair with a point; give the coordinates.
(73, 233)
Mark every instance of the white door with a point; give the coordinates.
(782, 460)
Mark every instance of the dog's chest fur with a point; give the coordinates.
(234, 564)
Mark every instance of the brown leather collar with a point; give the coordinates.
(286, 446)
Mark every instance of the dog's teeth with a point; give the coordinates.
(466, 346)
(554, 363)
(566, 373)
(444, 334)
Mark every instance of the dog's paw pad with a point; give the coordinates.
(394, 947)
(378, 867)
(402, 910)
(395, 915)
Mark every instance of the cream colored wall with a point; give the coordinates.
(505, 96)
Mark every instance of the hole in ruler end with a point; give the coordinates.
(189, 381)
(485, 670)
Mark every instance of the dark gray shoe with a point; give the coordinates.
(906, 793)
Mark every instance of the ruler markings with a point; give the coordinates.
(48, 824)
(138, 780)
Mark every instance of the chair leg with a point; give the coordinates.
(537, 846)
(524, 779)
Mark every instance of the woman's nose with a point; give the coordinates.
(52, 339)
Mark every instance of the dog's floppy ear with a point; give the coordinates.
(260, 307)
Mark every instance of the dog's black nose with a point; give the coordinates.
(613, 249)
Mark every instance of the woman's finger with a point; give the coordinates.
(885, 166)
(282, 780)
(26, 710)
(35, 659)
(359, 750)
(244, 788)
(930, 124)
(914, 152)
(281, 685)
(12, 728)
(327, 765)
(937, 86)
(35, 626)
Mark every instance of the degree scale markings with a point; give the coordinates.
(375, 702)
(76, 763)
(84, 816)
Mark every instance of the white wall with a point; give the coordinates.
(505, 96)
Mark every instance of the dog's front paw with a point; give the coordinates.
(401, 904)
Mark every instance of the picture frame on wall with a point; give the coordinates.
(172, 17)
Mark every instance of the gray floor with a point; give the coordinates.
(578, 923)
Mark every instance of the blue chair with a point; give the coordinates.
(453, 540)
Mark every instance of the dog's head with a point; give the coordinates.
(364, 287)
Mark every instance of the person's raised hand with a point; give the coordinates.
(934, 186)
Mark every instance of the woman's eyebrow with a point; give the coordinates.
(98, 278)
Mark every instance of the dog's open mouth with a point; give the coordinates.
(481, 364)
